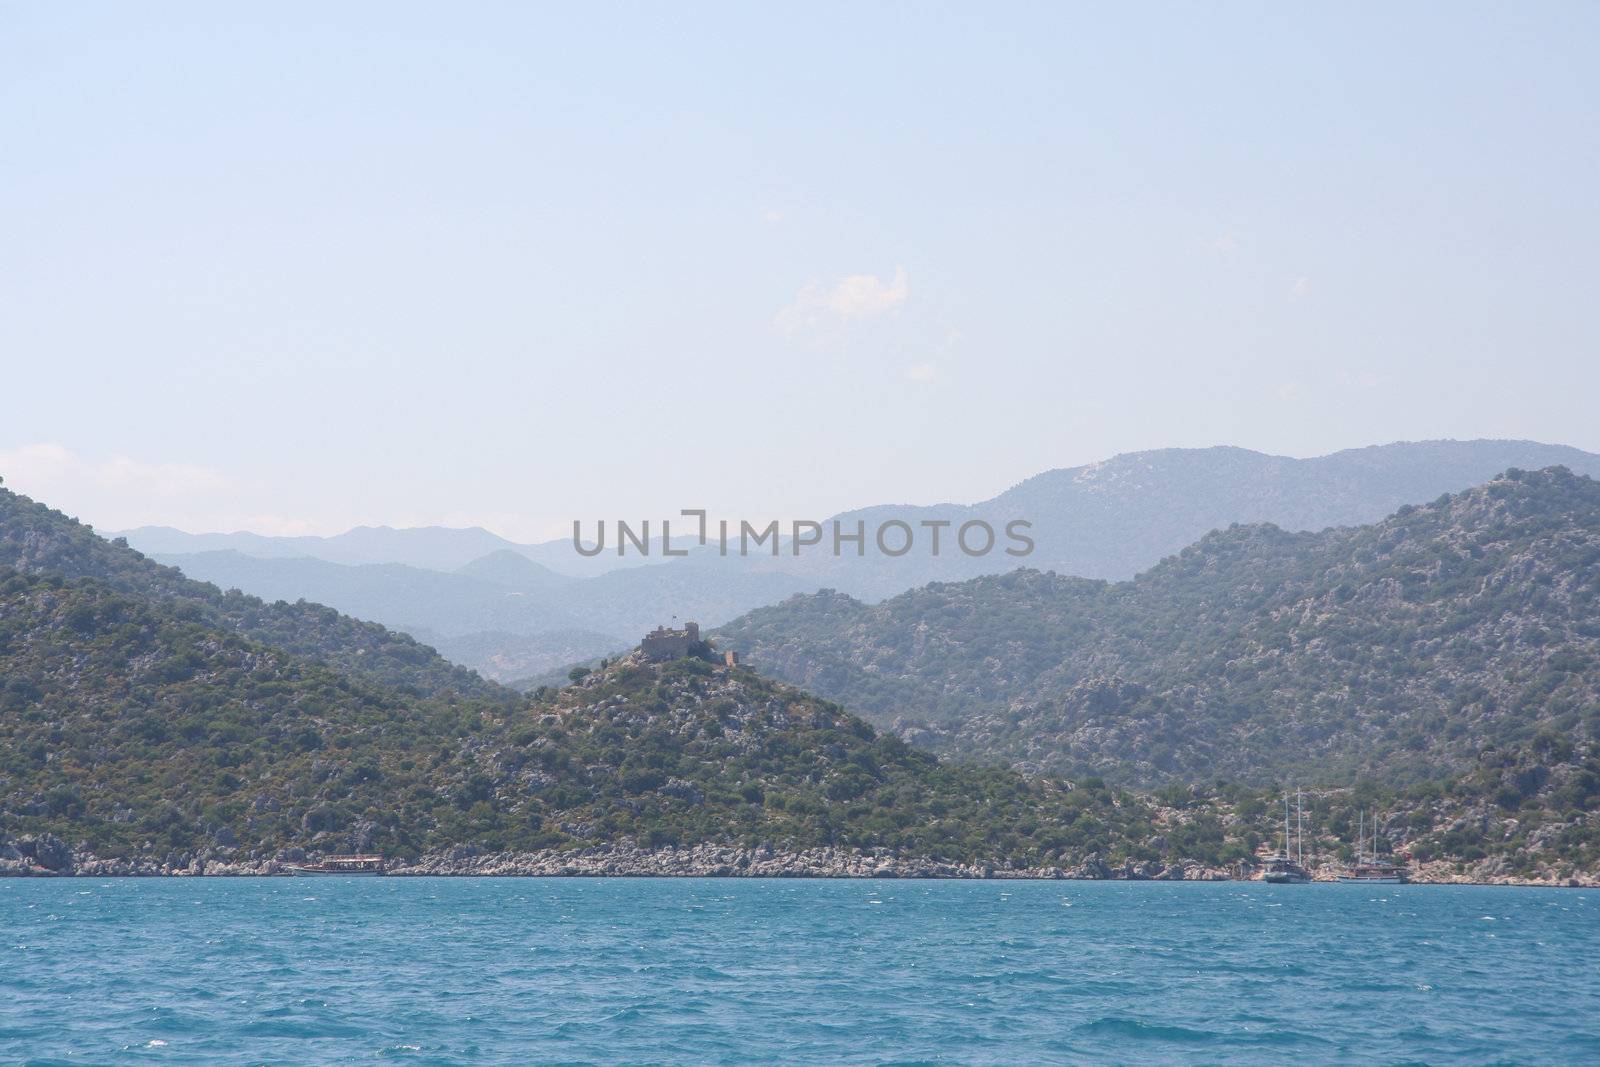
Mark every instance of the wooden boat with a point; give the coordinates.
(347, 865)
(1285, 867)
(1371, 872)
(1283, 870)
(1369, 868)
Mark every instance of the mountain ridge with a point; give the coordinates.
(1254, 651)
(149, 739)
(36, 539)
(1109, 519)
(141, 732)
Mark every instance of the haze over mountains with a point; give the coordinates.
(152, 724)
(36, 540)
(513, 611)
(437, 548)
(1403, 648)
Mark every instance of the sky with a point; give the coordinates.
(296, 267)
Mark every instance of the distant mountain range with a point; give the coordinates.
(436, 548)
(504, 618)
(153, 724)
(37, 540)
(1400, 649)
(512, 611)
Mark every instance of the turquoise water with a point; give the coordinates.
(310, 970)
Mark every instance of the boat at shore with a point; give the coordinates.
(1285, 867)
(1374, 872)
(347, 865)
(1369, 868)
(1282, 870)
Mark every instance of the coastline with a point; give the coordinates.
(699, 861)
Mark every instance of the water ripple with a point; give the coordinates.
(688, 971)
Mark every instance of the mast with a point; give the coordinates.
(1299, 828)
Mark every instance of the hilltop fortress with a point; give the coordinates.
(662, 645)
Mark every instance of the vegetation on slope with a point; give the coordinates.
(38, 540)
(1519, 811)
(1401, 649)
(129, 732)
(132, 725)
(136, 732)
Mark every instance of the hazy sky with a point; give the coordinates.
(299, 267)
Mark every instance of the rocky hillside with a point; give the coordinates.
(130, 731)
(684, 752)
(1108, 520)
(1526, 811)
(35, 539)
(1117, 518)
(134, 740)
(134, 730)
(1402, 648)
(161, 725)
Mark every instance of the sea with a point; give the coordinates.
(707, 971)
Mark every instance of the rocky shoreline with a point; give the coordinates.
(48, 857)
(714, 861)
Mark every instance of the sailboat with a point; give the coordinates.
(1284, 867)
(341, 865)
(1369, 869)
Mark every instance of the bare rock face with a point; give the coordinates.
(1143, 871)
(320, 819)
(47, 852)
(1093, 867)
(684, 791)
(1194, 872)
(362, 835)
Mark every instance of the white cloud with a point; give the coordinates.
(771, 217)
(1301, 288)
(857, 296)
(118, 492)
(51, 468)
(923, 372)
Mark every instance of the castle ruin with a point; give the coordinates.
(662, 644)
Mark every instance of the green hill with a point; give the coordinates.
(128, 733)
(133, 732)
(1111, 519)
(35, 539)
(142, 720)
(1401, 648)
